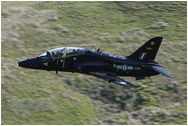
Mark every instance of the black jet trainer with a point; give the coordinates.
(139, 64)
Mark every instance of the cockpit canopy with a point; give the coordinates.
(62, 52)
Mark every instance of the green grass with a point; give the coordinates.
(179, 117)
(111, 18)
(31, 100)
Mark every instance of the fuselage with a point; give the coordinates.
(88, 60)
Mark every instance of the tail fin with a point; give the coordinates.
(148, 51)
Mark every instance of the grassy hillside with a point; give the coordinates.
(41, 97)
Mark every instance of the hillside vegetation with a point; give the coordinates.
(32, 97)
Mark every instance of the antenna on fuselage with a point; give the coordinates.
(98, 49)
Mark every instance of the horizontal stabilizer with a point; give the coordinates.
(162, 71)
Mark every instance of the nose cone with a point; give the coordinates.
(24, 63)
(30, 63)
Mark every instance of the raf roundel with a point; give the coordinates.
(114, 65)
(124, 67)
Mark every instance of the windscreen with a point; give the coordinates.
(45, 55)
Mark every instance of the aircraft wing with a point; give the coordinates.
(111, 77)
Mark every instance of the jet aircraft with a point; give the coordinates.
(139, 64)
